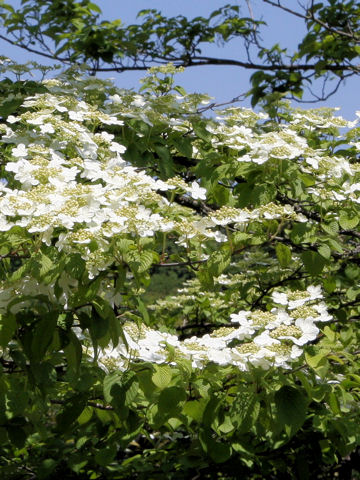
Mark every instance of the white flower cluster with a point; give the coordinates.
(288, 143)
(66, 182)
(261, 339)
(270, 211)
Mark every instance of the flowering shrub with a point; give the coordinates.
(254, 360)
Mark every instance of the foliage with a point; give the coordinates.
(251, 370)
(70, 31)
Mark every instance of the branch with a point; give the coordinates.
(292, 276)
(200, 61)
(180, 264)
(100, 406)
(32, 50)
(312, 17)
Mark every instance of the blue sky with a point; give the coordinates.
(221, 82)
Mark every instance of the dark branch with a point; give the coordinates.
(100, 406)
(311, 16)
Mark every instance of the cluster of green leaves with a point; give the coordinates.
(72, 31)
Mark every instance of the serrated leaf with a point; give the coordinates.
(335, 245)
(332, 228)
(217, 451)
(104, 456)
(85, 415)
(183, 145)
(313, 262)
(73, 352)
(112, 388)
(143, 310)
(42, 337)
(166, 164)
(244, 411)
(291, 407)
(283, 254)
(95, 8)
(170, 399)
(195, 409)
(45, 265)
(162, 376)
(346, 222)
(325, 251)
(218, 261)
(201, 132)
(75, 266)
(315, 360)
(8, 327)
(71, 411)
(140, 262)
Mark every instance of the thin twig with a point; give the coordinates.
(100, 406)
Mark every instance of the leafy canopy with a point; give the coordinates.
(70, 31)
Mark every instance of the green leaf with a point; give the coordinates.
(120, 390)
(95, 8)
(291, 407)
(182, 145)
(162, 376)
(71, 411)
(315, 360)
(201, 132)
(334, 403)
(106, 455)
(85, 416)
(143, 310)
(106, 312)
(283, 254)
(170, 399)
(194, 409)
(166, 165)
(218, 261)
(218, 451)
(313, 262)
(73, 352)
(112, 388)
(42, 337)
(75, 266)
(244, 411)
(332, 228)
(140, 262)
(325, 251)
(346, 222)
(8, 327)
(46, 265)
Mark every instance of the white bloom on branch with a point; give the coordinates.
(197, 192)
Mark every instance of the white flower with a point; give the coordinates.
(315, 292)
(221, 357)
(12, 119)
(241, 317)
(279, 298)
(19, 151)
(197, 192)
(4, 224)
(47, 128)
(264, 339)
(218, 236)
(138, 101)
(324, 315)
(116, 147)
(309, 331)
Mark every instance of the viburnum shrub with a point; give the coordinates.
(252, 364)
